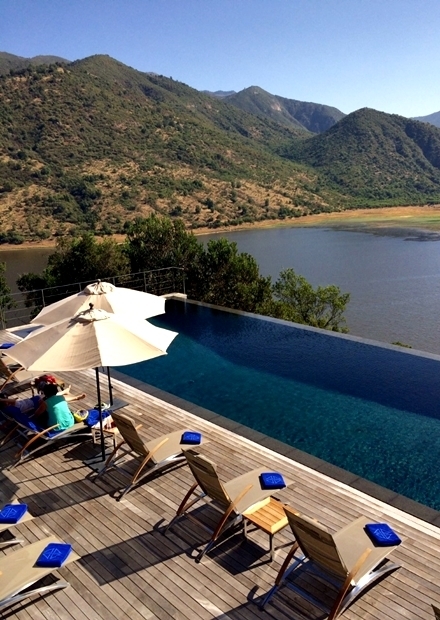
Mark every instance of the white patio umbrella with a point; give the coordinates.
(91, 339)
(105, 296)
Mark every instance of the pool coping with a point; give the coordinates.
(425, 513)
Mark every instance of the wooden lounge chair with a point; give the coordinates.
(155, 455)
(231, 499)
(18, 573)
(14, 376)
(348, 561)
(4, 527)
(36, 438)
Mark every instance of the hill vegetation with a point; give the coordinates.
(377, 158)
(94, 144)
(312, 117)
(10, 62)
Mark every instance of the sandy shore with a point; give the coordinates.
(395, 221)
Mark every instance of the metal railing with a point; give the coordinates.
(28, 304)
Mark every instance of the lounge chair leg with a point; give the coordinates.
(184, 505)
(204, 551)
(281, 573)
(9, 436)
(124, 492)
(110, 462)
(267, 597)
(13, 541)
(43, 590)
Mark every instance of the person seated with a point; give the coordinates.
(24, 405)
(56, 408)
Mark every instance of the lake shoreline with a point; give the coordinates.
(416, 221)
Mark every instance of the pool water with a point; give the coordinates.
(369, 409)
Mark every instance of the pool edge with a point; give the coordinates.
(425, 513)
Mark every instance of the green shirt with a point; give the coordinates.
(58, 412)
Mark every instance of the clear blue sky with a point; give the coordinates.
(383, 54)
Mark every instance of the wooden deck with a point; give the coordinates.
(128, 569)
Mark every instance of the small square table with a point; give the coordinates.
(268, 516)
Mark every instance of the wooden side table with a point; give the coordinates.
(268, 516)
(109, 431)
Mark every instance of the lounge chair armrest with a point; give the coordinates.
(35, 438)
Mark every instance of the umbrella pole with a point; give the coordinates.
(110, 389)
(101, 425)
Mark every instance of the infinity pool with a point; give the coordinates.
(369, 409)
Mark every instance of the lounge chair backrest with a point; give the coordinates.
(205, 472)
(316, 543)
(129, 433)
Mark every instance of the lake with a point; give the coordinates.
(394, 283)
(19, 261)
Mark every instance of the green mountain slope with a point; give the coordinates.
(377, 158)
(313, 117)
(10, 62)
(95, 143)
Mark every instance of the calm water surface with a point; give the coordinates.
(22, 261)
(371, 410)
(394, 283)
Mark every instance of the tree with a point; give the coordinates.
(6, 299)
(81, 259)
(228, 278)
(156, 242)
(84, 259)
(218, 274)
(295, 299)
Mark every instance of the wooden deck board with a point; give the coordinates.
(129, 569)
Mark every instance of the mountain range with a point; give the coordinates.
(434, 119)
(92, 144)
(10, 61)
(313, 117)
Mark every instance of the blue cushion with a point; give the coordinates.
(22, 419)
(272, 480)
(191, 437)
(54, 555)
(93, 417)
(12, 513)
(382, 535)
(6, 345)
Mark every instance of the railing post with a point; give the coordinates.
(42, 297)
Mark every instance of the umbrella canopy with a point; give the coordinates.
(107, 297)
(90, 339)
